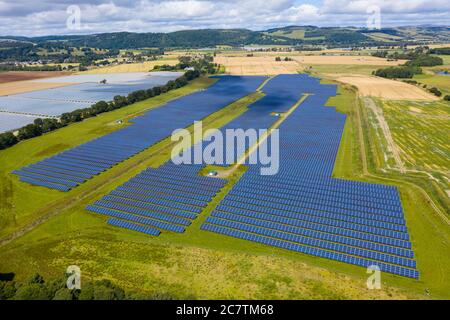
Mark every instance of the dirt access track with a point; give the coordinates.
(370, 86)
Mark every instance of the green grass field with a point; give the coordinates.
(200, 264)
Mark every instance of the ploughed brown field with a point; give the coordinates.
(15, 82)
(12, 76)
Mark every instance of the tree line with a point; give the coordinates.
(37, 288)
(41, 126)
(13, 67)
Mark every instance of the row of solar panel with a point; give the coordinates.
(160, 183)
(402, 271)
(315, 185)
(134, 227)
(318, 223)
(164, 196)
(137, 219)
(314, 242)
(143, 212)
(315, 201)
(310, 210)
(157, 201)
(177, 177)
(326, 194)
(150, 206)
(313, 233)
(170, 189)
(175, 198)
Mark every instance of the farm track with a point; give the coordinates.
(369, 103)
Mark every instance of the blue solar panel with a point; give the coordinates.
(133, 226)
(101, 154)
(302, 208)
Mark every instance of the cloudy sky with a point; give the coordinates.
(50, 17)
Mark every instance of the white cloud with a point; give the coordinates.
(49, 17)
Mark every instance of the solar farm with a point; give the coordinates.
(74, 92)
(301, 209)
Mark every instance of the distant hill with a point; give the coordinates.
(291, 35)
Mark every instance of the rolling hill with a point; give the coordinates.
(291, 35)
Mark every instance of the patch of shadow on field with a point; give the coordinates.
(52, 150)
(101, 130)
(7, 276)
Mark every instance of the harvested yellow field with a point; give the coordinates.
(131, 67)
(257, 65)
(266, 65)
(347, 60)
(28, 86)
(386, 89)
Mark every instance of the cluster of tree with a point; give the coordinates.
(443, 51)
(405, 72)
(380, 54)
(425, 60)
(41, 126)
(36, 288)
(285, 59)
(22, 52)
(54, 52)
(419, 57)
(203, 64)
(435, 91)
(447, 98)
(410, 81)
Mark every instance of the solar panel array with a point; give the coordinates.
(87, 91)
(73, 167)
(10, 122)
(302, 208)
(167, 198)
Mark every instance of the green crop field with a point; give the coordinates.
(199, 264)
(420, 130)
(438, 81)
